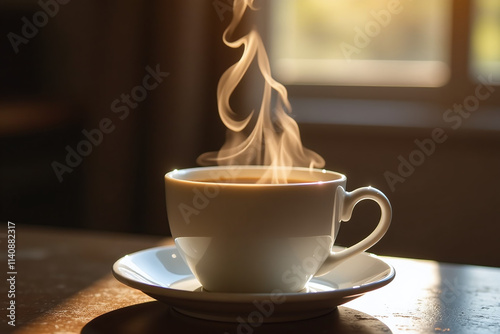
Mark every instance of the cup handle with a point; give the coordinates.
(345, 203)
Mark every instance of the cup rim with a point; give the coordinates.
(171, 176)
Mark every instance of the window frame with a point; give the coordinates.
(460, 85)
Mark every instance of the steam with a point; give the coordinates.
(274, 140)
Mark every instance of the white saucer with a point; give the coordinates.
(162, 274)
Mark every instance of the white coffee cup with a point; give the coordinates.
(240, 236)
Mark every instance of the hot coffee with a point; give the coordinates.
(250, 180)
(239, 235)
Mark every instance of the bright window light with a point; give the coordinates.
(485, 39)
(361, 42)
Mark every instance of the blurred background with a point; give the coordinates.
(99, 99)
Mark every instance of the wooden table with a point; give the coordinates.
(63, 284)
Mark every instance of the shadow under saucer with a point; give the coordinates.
(156, 317)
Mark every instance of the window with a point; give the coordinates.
(362, 42)
(485, 45)
(385, 62)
